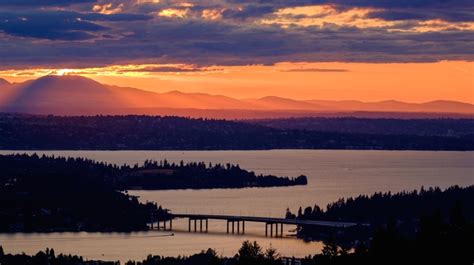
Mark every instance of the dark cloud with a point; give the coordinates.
(166, 69)
(401, 3)
(361, 3)
(52, 26)
(449, 10)
(219, 43)
(113, 17)
(78, 37)
(39, 3)
(58, 25)
(249, 11)
(465, 15)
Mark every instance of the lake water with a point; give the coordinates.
(331, 175)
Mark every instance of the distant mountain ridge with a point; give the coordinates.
(4, 82)
(77, 95)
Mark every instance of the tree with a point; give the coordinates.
(330, 249)
(250, 253)
(300, 212)
(271, 254)
(289, 214)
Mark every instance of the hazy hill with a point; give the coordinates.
(4, 83)
(56, 94)
(397, 106)
(76, 95)
(278, 103)
(80, 95)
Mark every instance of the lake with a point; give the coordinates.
(331, 175)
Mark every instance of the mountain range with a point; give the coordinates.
(77, 95)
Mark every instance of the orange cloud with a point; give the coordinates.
(107, 9)
(174, 12)
(327, 15)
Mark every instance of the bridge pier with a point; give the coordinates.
(232, 227)
(162, 225)
(278, 230)
(201, 228)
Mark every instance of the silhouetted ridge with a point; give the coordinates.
(4, 82)
(76, 95)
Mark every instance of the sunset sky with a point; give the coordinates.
(370, 50)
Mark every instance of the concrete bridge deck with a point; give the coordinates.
(265, 220)
(236, 224)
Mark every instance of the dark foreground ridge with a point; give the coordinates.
(74, 194)
(404, 210)
(28, 132)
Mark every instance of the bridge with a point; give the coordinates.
(236, 224)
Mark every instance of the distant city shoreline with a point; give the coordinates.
(33, 132)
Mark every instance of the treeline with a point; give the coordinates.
(48, 257)
(446, 127)
(58, 194)
(250, 253)
(165, 175)
(151, 175)
(30, 132)
(403, 208)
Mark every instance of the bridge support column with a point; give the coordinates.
(227, 226)
(195, 225)
(266, 229)
(243, 227)
(281, 230)
(238, 227)
(189, 224)
(271, 229)
(232, 227)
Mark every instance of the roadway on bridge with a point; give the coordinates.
(267, 220)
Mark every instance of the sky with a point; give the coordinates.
(370, 50)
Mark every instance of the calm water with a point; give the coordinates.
(331, 175)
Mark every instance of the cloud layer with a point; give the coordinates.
(218, 32)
